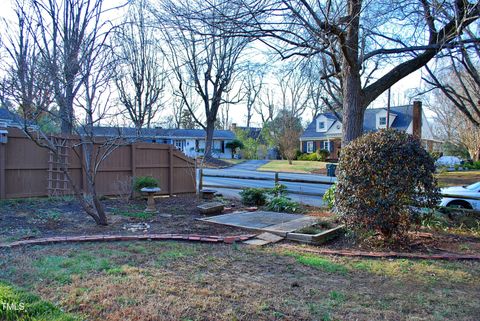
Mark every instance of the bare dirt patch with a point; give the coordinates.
(34, 218)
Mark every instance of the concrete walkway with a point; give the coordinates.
(250, 165)
(273, 222)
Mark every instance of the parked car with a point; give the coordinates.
(459, 196)
(448, 161)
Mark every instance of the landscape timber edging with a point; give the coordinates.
(385, 255)
(229, 239)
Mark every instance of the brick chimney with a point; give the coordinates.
(233, 127)
(417, 119)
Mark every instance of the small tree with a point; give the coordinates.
(285, 131)
(233, 145)
(384, 179)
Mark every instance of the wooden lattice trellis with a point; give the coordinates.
(57, 179)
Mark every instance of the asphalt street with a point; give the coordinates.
(248, 169)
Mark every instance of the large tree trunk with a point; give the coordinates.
(209, 138)
(353, 102)
(353, 109)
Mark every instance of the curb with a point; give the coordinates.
(397, 255)
(143, 237)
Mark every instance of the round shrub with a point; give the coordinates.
(384, 180)
(144, 181)
(308, 157)
(322, 154)
(253, 196)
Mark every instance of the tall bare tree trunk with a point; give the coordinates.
(209, 138)
(353, 109)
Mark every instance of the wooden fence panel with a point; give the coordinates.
(24, 168)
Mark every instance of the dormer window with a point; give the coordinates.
(321, 125)
(382, 121)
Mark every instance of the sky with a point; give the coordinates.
(401, 93)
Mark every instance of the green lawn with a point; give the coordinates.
(185, 281)
(296, 167)
(458, 178)
(19, 305)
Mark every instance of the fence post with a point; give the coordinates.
(133, 164)
(200, 180)
(276, 179)
(170, 170)
(3, 156)
(133, 161)
(83, 168)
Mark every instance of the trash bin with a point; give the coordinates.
(331, 168)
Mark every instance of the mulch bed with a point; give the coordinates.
(431, 243)
(39, 218)
(44, 218)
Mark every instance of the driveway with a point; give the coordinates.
(249, 165)
(266, 180)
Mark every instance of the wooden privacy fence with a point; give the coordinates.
(26, 170)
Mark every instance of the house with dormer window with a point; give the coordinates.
(325, 131)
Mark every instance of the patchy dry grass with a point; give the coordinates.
(183, 281)
(296, 167)
(458, 178)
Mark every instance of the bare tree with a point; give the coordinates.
(252, 85)
(202, 57)
(187, 121)
(324, 94)
(25, 83)
(457, 76)
(444, 126)
(83, 87)
(368, 46)
(223, 122)
(285, 131)
(293, 85)
(454, 127)
(267, 106)
(178, 106)
(63, 29)
(139, 70)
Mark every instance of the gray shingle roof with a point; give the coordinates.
(404, 116)
(160, 133)
(9, 117)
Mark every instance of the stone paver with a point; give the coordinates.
(258, 220)
(211, 208)
(270, 237)
(290, 226)
(257, 242)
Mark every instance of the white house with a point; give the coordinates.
(190, 141)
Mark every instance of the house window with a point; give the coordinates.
(309, 147)
(180, 144)
(321, 125)
(382, 121)
(325, 145)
